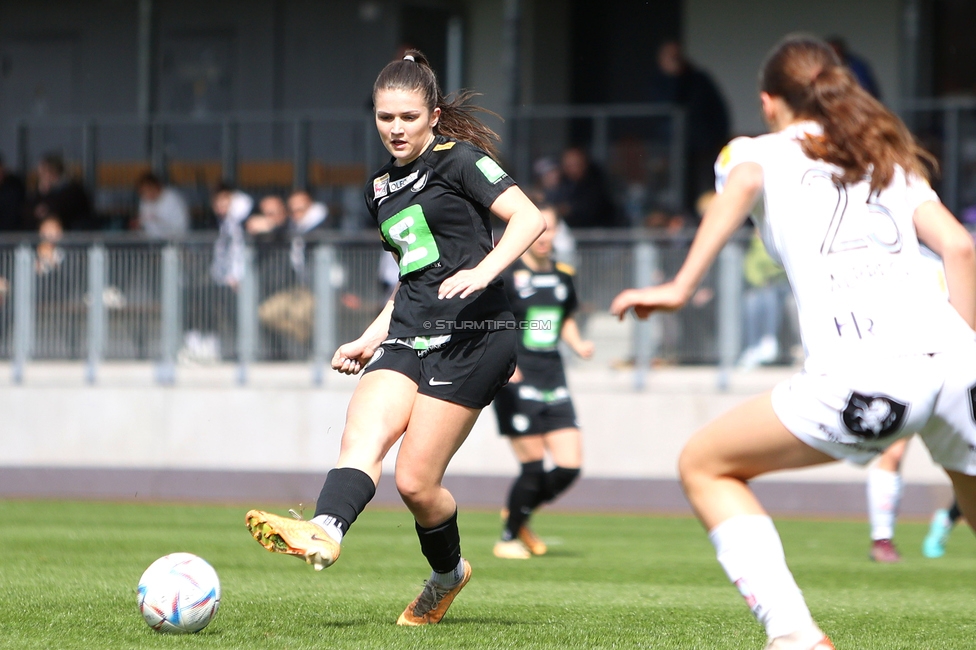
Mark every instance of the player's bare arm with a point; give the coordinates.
(350, 358)
(525, 224)
(724, 216)
(948, 239)
(571, 335)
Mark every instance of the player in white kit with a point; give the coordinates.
(839, 192)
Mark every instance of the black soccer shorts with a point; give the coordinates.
(519, 416)
(468, 371)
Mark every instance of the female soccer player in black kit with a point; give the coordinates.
(443, 345)
(534, 410)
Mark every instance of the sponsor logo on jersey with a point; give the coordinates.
(873, 416)
(444, 146)
(421, 183)
(545, 281)
(380, 186)
(397, 185)
(490, 169)
(522, 278)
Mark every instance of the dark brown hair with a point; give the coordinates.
(458, 119)
(860, 135)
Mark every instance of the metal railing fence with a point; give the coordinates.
(126, 298)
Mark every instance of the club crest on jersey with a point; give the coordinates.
(873, 416)
(421, 183)
(521, 278)
(381, 186)
(396, 186)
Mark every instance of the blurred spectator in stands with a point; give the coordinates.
(306, 215)
(163, 213)
(762, 307)
(547, 180)
(49, 253)
(60, 196)
(12, 199)
(706, 130)
(582, 197)
(858, 66)
(270, 222)
(231, 207)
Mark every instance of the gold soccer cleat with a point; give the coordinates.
(293, 537)
(430, 606)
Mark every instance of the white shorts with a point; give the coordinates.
(855, 412)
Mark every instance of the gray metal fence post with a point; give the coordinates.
(324, 333)
(247, 317)
(157, 149)
(729, 309)
(169, 316)
(601, 138)
(23, 148)
(645, 263)
(23, 309)
(96, 310)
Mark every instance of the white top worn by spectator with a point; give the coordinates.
(228, 261)
(166, 215)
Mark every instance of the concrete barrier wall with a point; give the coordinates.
(280, 422)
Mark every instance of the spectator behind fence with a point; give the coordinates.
(762, 305)
(306, 215)
(706, 131)
(860, 68)
(163, 213)
(60, 196)
(291, 311)
(12, 199)
(50, 255)
(231, 207)
(270, 222)
(582, 198)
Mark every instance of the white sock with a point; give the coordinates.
(884, 494)
(328, 524)
(450, 578)
(750, 551)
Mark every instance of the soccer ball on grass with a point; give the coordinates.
(179, 593)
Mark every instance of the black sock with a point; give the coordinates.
(954, 512)
(345, 494)
(441, 545)
(558, 479)
(523, 497)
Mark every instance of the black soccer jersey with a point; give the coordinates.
(434, 215)
(541, 302)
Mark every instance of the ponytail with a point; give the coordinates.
(860, 135)
(458, 118)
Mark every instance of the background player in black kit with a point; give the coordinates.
(443, 345)
(534, 410)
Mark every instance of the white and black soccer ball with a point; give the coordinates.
(179, 593)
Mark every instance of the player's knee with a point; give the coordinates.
(691, 465)
(414, 490)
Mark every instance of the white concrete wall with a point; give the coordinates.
(730, 40)
(281, 423)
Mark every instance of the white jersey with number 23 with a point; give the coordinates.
(863, 288)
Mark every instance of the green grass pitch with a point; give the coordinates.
(68, 573)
